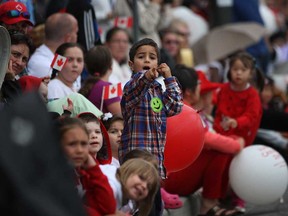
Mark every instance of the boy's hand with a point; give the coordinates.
(164, 70)
(151, 74)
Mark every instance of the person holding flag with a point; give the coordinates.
(67, 65)
(96, 88)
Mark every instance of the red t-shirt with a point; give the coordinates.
(243, 106)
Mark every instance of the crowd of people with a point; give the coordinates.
(115, 144)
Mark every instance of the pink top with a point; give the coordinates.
(216, 141)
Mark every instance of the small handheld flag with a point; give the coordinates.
(123, 22)
(58, 62)
(111, 91)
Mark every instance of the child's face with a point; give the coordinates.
(240, 75)
(266, 94)
(75, 145)
(207, 102)
(115, 132)
(136, 188)
(74, 65)
(95, 137)
(145, 59)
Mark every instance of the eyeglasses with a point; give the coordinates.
(16, 13)
(171, 42)
(118, 41)
(183, 34)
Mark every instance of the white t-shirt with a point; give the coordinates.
(120, 73)
(57, 89)
(40, 61)
(110, 172)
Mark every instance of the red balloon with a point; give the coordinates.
(185, 139)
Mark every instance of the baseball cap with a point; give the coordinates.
(206, 85)
(29, 83)
(14, 12)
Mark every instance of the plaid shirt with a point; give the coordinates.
(143, 127)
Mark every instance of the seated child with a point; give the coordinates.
(99, 145)
(92, 184)
(114, 125)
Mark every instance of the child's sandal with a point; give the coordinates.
(222, 210)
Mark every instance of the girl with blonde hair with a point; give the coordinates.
(139, 180)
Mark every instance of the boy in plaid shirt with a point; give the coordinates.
(145, 106)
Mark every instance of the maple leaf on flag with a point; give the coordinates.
(58, 62)
(123, 22)
(112, 91)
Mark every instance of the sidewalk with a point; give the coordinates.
(192, 204)
(275, 209)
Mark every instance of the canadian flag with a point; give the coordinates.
(58, 62)
(112, 91)
(123, 22)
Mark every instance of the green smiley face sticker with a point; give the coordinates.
(156, 104)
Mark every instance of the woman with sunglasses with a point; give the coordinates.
(15, 16)
(21, 49)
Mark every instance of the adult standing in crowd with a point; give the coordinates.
(88, 35)
(117, 41)
(59, 28)
(21, 49)
(14, 15)
(249, 11)
(149, 13)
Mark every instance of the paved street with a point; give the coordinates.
(275, 209)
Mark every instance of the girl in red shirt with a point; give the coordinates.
(238, 104)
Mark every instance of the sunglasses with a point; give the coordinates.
(16, 13)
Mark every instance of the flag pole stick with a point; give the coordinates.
(102, 99)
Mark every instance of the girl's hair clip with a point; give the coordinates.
(106, 116)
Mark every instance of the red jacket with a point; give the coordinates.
(244, 106)
(99, 196)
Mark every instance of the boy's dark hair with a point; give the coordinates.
(186, 76)
(144, 42)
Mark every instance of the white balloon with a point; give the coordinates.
(259, 175)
